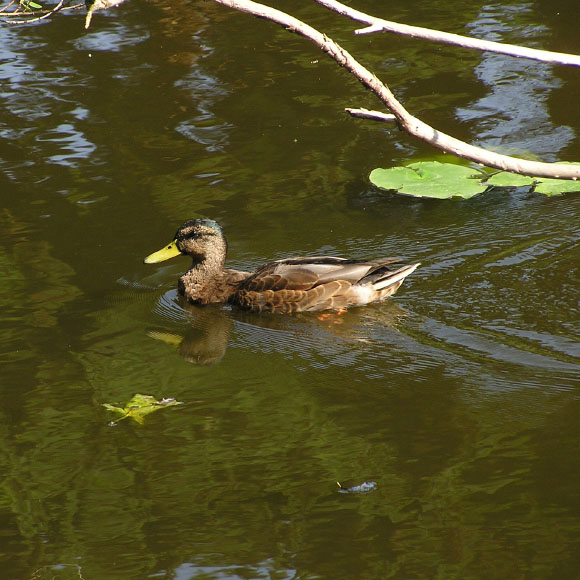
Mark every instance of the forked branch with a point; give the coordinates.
(379, 25)
(406, 121)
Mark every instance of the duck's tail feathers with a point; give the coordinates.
(396, 277)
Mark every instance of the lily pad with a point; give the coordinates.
(430, 179)
(544, 185)
(557, 186)
(505, 179)
(139, 407)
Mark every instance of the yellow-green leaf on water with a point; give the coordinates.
(140, 406)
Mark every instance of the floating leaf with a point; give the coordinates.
(445, 180)
(505, 179)
(557, 186)
(544, 185)
(139, 407)
(431, 179)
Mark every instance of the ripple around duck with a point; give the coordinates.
(495, 346)
(169, 308)
(496, 297)
(564, 348)
(365, 341)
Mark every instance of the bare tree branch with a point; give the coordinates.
(406, 121)
(378, 24)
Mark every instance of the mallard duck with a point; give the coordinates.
(282, 286)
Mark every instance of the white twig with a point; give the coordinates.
(406, 121)
(378, 24)
(372, 115)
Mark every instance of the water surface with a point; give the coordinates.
(458, 398)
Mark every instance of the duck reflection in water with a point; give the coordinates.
(206, 341)
(211, 328)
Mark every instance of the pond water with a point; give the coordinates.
(456, 402)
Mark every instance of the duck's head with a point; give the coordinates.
(197, 238)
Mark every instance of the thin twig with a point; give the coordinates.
(11, 3)
(47, 15)
(406, 121)
(372, 115)
(60, 7)
(378, 25)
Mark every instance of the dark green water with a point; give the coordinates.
(459, 397)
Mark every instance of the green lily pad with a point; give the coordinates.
(505, 179)
(557, 186)
(446, 180)
(543, 185)
(139, 407)
(430, 179)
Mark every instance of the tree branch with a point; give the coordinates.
(378, 24)
(406, 121)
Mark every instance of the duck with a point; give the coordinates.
(299, 284)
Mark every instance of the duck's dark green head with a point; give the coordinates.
(196, 238)
(198, 227)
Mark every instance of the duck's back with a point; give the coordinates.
(308, 284)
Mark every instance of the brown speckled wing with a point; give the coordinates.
(324, 296)
(296, 278)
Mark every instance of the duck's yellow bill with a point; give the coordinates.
(165, 253)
